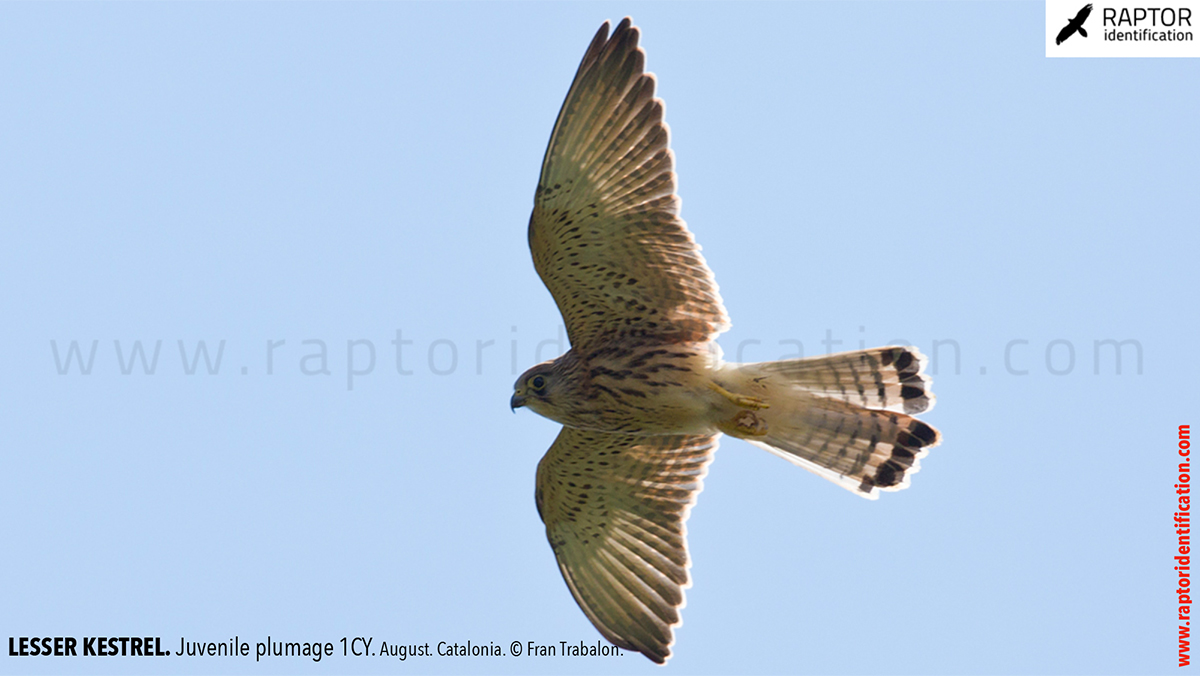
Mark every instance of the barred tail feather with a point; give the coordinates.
(889, 378)
(859, 449)
(846, 417)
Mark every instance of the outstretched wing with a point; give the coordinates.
(1083, 15)
(605, 232)
(614, 506)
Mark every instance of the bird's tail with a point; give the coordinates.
(847, 417)
(1082, 32)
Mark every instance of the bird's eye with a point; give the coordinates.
(538, 382)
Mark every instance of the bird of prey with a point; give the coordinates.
(1075, 24)
(643, 394)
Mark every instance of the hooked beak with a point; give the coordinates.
(516, 402)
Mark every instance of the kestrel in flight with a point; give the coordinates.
(643, 394)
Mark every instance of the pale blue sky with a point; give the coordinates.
(339, 172)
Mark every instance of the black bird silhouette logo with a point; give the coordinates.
(1075, 24)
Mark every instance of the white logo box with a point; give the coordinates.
(1124, 28)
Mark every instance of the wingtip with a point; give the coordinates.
(659, 657)
(601, 33)
(622, 26)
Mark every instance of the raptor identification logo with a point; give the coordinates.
(1122, 28)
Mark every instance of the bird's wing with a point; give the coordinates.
(1083, 15)
(605, 232)
(1065, 33)
(614, 506)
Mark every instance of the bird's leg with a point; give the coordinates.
(752, 403)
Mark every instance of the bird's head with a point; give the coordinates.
(536, 389)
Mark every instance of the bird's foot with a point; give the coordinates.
(749, 424)
(752, 403)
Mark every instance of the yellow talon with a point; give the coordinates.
(753, 403)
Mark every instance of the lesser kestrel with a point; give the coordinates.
(643, 394)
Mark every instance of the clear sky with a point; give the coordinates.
(358, 174)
